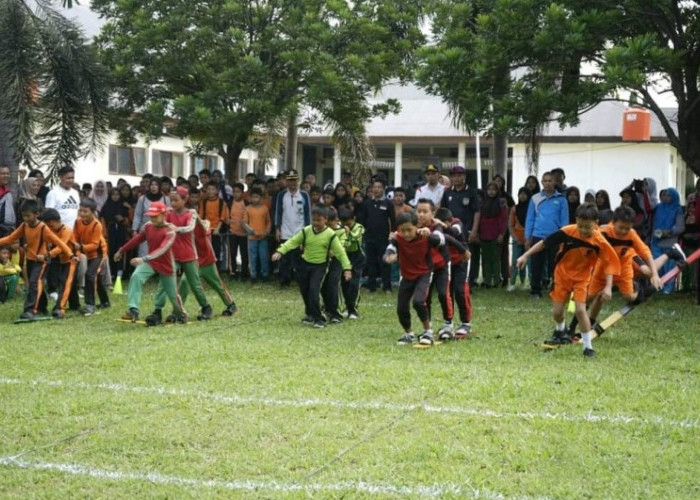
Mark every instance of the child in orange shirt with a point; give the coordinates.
(258, 225)
(238, 239)
(87, 232)
(581, 246)
(214, 209)
(38, 236)
(67, 265)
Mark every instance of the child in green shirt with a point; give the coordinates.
(317, 241)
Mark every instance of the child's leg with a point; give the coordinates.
(253, 247)
(211, 277)
(441, 279)
(65, 284)
(475, 249)
(420, 295)
(331, 287)
(138, 278)
(317, 272)
(4, 283)
(264, 258)
(490, 263)
(245, 264)
(91, 280)
(190, 271)
(403, 303)
(104, 280)
(304, 279)
(461, 291)
(35, 290)
(351, 289)
(169, 285)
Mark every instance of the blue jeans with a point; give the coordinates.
(518, 250)
(258, 254)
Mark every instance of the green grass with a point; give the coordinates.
(260, 406)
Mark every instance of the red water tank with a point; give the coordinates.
(636, 125)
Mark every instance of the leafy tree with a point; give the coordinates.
(52, 89)
(222, 71)
(563, 57)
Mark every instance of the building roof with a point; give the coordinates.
(426, 117)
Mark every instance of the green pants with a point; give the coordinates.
(167, 286)
(8, 285)
(190, 272)
(211, 277)
(491, 263)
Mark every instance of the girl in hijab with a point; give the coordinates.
(115, 224)
(140, 218)
(573, 199)
(28, 190)
(505, 254)
(589, 197)
(669, 224)
(602, 202)
(641, 224)
(342, 197)
(492, 230)
(99, 194)
(516, 224)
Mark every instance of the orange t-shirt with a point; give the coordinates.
(577, 255)
(258, 218)
(37, 238)
(626, 248)
(66, 235)
(89, 236)
(215, 211)
(516, 228)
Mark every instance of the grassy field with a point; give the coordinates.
(260, 406)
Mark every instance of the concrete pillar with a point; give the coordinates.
(337, 165)
(398, 164)
(250, 165)
(462, 154)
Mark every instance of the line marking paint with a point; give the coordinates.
(690, 423)
(433, 491)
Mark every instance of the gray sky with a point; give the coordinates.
(84, 17)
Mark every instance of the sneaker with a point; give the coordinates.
(171, 318)
(589, 353)
(426, 338)
(676, 253)
(445, 332)
(53, 296)
(105, 305)
(335, 320)
(463, 331)
(353, 316)
(559, 338)
(27, 315)
(180, 319)
(230, 310)
(511, 288)
(155, 318)
(206, 313)
(131, 315)
(319, 324)
(58, 314)
(307, 320)
(87, 310)
(407, 339)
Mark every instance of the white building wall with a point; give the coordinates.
(609, 166)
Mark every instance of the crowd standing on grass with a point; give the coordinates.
(64, 244)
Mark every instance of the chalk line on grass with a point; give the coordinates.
(691, 423)
(433, 491)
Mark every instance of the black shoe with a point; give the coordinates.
(589, 353)
(27, 315)
(206, 313)
(319, 324)
(230, 310)
(307, 320)
(676, 253)
(132, 315)
(558, 338)
(105, 305)
(57, 314)
(155, 318)
(335, 320)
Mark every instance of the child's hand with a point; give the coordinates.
(347, 275)
(391, 258)
(520, 263)
(466, 255)
(423, 232)
(473, 237)
(656, 282)
(276, 256)
(606, 294)
(136, 261)
(41, 258)
(117, 256)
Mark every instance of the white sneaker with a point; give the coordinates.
(353, 316)
(511, 288)
(53, 296)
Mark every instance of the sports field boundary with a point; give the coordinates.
(654, 420)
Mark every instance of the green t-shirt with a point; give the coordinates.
(317, 246)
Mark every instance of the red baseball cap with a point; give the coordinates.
(156, 208)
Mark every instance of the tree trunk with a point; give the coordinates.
(7, 153)
(500, 155)
(231, 153)
(290, 149)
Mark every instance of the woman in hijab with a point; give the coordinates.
(28, 190)
(342, 197)
(629, 198)
(589, 196)
(43, 190)
(99, 194)
(140, 218)
(532, 184)
(115, 224)
(573, 199)
(505, 253)
(669, 224)
(602, 202)
(516, 224)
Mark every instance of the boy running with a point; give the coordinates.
(317, 241)
(580, 246)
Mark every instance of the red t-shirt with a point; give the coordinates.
(184, 248)
(160, 241)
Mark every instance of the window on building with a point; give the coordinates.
(127, 161)
(210, 162)
(166, 163)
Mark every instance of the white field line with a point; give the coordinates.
(433, 491)
(690, 423)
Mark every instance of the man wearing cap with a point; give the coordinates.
(292, 213)
(432, 190)
(346, 179)
(463, 202)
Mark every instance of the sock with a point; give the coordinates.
(586, 338)
(561, 326)
(573, 325)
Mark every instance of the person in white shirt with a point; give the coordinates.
(433, 190)
(64, 198)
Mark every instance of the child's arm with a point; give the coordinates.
(13, 236)
(390, 254)
(292, 243)
(135, 241)
(643, 251)
(339, 253)
(529, 222)
(522, 260)
(461, 247)
(57, 242)
(190, 223)
(165, 245)
(93, 243)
